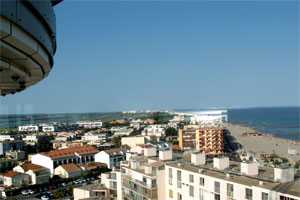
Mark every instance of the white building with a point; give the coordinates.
(50, 128)
(209, 116)
(6, 138)
(111, 157)
(28, 128)
(76, 155)
(35, 138)
(154, 130)
(102, 137)
(90, 124)
(228, 180)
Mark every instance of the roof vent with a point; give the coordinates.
(261, 183)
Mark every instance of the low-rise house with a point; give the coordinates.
(17, 179)
(68, 170)
(133, 141)
(92, 191)
(66, 136)
(37, 174)
(93, 166)
(17, 155)
(111, 157)
(34, 138)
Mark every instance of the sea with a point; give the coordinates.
(283, 122)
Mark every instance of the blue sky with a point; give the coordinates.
(126, 55)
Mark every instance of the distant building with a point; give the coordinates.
(209, 140)
(76, 155)
(90, 124)
(209, 116)
(29, 128)
(101, 137)
(6, 146)
(7, 137)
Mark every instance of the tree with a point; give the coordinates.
(134, 133)
(70, 189)
(171, 131)
(59, 193)
(117, 141)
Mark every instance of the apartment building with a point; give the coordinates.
(143, 179)
(28, 128)
(112, 157)
(76, 155)
(206, 139)
(112, 181)
(221, 179)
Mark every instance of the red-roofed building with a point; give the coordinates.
(13, 178)
(76, 155)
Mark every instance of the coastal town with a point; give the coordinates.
(162, 155)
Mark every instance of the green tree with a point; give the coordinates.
(59, 193)
(70, 189)
(171, 131)
(134, 133)
(117, 141)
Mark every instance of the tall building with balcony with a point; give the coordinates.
(28, 43)
(206, 139)
(221, 179)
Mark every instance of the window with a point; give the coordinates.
(248, 193)
(201, 181)
(171, 193)
(178, 184)
(170, 181)
(264, 196)
(178, 175)
(229, 190)
(217, 197)
(191, 178)
(191, 189)
(170, 173)
(201, 194)
(285, 198)
(179, 196)
(217, 187)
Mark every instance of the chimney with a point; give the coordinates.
(221, 163)
(284, 175)
(148, 169)
(128, 156)
(165, 155)
(198, 159)
(249, 168)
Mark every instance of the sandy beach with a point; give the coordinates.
(263, 144)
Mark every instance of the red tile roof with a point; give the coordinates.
(176, 147)
(11, 174)
(158, 164)
(115, 150)
(71, 168)
(33, 167)
(70, 152)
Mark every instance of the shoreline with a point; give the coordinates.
(269, 134)
(264, 143)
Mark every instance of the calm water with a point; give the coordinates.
(282, 121)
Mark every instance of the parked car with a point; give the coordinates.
(25, 192)
(31, 191)
(45, 197)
